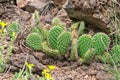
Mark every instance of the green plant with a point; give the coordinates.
(24, 74)
(34, 41)
(84, 44)
(48, 51)
(81, 28)
(35, 30)
(74, 52)
(115, 53)
(57, 22)
(63, 42)
(105, 57)
(101, 42)
(14, 27)
(87, 57)
(74, 26)
(46, 73)
(2, 62)
(44, 33)
(53, 36)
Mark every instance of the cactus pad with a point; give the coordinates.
(63, 42)
(34, 41)
(115, 53)
(84, 44)
(74, 26)
(35, 30)
(81, 28)
(101, 42)
(14, 27)
(48, 51)
(53, 35)
(88, 56)
(74, 53)
(44, 34)
(105, 57)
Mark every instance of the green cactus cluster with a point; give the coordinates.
(56, 42)
(99, 43)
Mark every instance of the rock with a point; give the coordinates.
(63, 16)
(59, 3)
(39, 5)
(17, 61)
(93, 12)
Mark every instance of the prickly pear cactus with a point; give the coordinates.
(101, 42)
(53, 36)
(88, 56)
(44, 33)
(74, 26)
(74, 52)
(34, 41)
(13, 27)
(84, 44)
(105, 57)
(36, 30)
(63, 42)
(57, 22)
(48, 51)
(115, 53)
(81, 28)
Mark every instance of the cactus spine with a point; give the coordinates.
(101, 42)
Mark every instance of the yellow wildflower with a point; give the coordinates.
(51, 67)
(29, 66)
(3, 24)
(13, 33)
(48, 76)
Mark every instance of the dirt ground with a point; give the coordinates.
(66, 70)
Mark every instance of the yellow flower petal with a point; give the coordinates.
(48, 76)
(14, 34)
(51, 67)
(3, 24)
